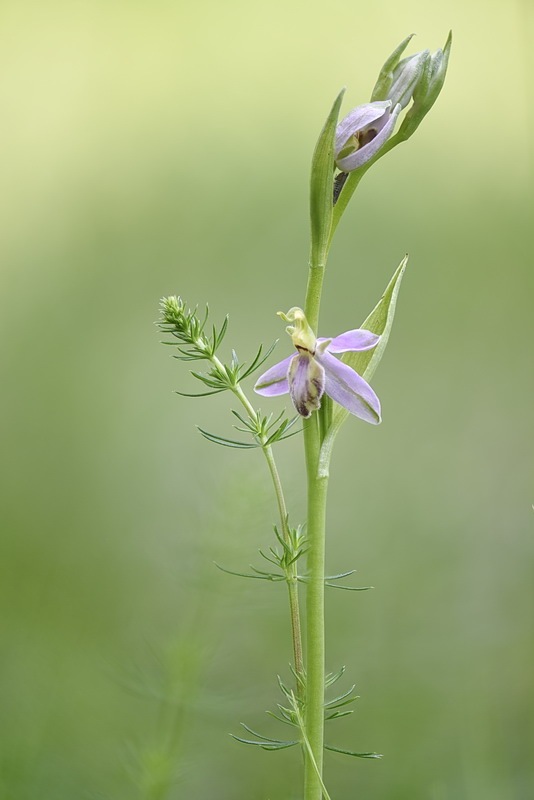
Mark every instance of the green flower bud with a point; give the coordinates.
(385, 78)
(427, 90)
(407, 77)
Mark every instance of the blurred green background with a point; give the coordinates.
(161, 147)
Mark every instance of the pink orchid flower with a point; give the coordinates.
(314, 370)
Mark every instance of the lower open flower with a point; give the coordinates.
(313, 370)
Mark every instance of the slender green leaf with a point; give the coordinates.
(265, 745)
(348, 588)
(265, 738)
(322, 185)
(211, 437)
(351, 753)
(341, 697)
(286, 721)
(257, 360)
(199, 394)
(260, 577)
(339, 575)
(347, 701)
(268, 576)
(339, 714)
(332, 677)
(379, 321)
(385, 78)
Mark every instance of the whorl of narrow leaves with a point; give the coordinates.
(264, 431)
(196, 341)
(292, 549)
(292, 713)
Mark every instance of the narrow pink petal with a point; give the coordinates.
(274, 381)
(349, 389)
(358, 339)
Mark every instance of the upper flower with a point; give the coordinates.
(313, 370)
(362, 133)
(419, 78)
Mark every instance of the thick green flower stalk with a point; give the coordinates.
(327, 380)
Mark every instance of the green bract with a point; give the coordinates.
(380, 322)
(321, 186)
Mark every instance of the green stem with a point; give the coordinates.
(292, 583)
(352, 184)
(309, 752)
(324, 225)
(313, 293)
(316, 535)
(315, 631)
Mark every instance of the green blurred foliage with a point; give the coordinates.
(159, 147)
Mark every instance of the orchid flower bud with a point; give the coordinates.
(427, 89)
(361, 134)
(419, 77)
(385, 78)
(406, 78)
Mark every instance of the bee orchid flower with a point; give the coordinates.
(314, 370)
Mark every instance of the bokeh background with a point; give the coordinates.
(151, 148)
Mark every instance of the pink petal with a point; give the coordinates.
(274, 381)
(359, 118)
(358, 339)
(365, 153)
(349, 389)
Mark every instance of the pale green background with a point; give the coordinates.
(149, 148)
